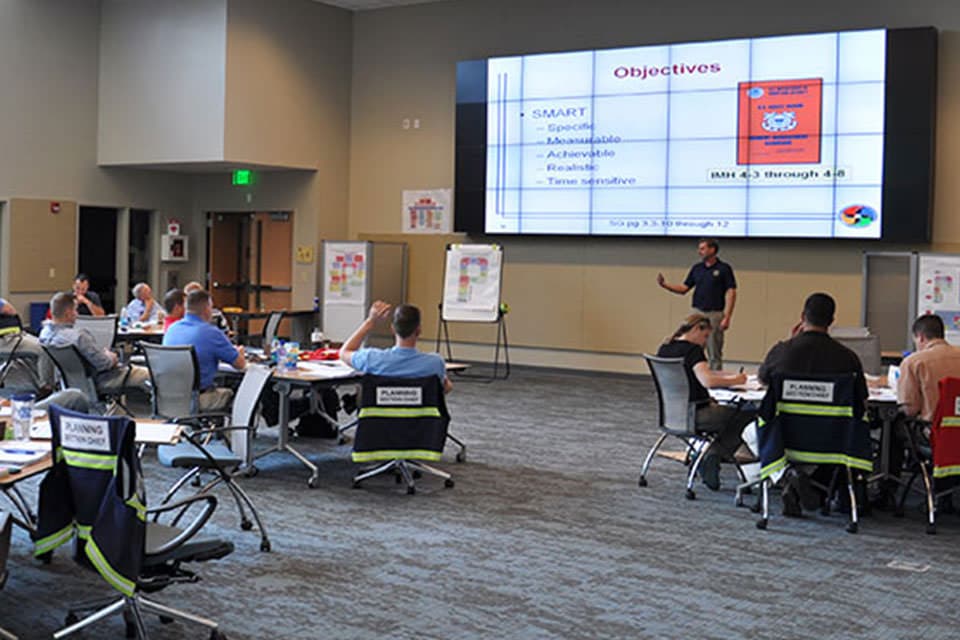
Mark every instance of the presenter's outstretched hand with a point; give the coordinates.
(379, 310)
(661, 280)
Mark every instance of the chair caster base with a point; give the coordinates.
(71, 619)
(853, 527)
(246, 525)
(313, 483)
(691, 494)
(755, 508)
(265, 546)
(355, 485)
(762, 524)
(642, 482)
(738, 501)
(216, 634)
(448, 483)
(932, 529)
(411, 491)
(462, 456)
(251, 472)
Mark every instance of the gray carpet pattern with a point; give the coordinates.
(545, 535)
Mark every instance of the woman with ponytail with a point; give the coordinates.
(727, 422)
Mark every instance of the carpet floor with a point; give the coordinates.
(545, 535)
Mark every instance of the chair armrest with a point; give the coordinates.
(195, 525)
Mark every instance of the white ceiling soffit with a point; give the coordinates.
(363, 5)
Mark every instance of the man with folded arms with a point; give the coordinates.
(143, 308)
(211, 346)
(110, 375)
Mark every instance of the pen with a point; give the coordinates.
(741, 369)
(18, 452)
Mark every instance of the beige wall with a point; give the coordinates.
(49, 75)
(599, 295)
(288, 102)
(161, 81)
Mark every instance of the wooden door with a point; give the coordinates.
(227, 259)
(271, 265)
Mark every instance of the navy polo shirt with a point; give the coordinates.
(710, 284)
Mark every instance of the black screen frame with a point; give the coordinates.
(908, 152)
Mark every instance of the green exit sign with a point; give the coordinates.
(242, 177)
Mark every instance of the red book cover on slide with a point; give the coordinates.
(779, 121)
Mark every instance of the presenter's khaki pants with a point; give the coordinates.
(715, 341)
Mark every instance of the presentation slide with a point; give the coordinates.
(780, 136)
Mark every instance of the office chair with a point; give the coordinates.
(270, 328)
(867, 348)
(75, 372)
(14, 360)
(402, 421)
(102, 328)
(205, 448)
(677, 418)
(5, 531)
(175, 379)
(94, 494)
(942, 453)
(813, 420)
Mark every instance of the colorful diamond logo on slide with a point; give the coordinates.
(858, 215)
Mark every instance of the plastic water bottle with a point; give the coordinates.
(291, 355)
(22, 410)
(316, 337)
(277, 352)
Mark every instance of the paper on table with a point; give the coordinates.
(22, 452)
(147, 432)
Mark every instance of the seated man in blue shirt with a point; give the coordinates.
(211, 345)
(402, 360)
(143, 308)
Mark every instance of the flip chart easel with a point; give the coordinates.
(472, 278)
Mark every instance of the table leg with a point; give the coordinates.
(283, 389)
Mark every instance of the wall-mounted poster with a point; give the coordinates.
(427, 211)
(346, 273)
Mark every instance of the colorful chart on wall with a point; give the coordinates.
(345, 288)
(427, 211)
(345, 274)
(471, 286)
(938, 291)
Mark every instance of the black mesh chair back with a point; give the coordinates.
(175, 376)
(102, 328)
(270, 328)
(676, 411)
(73, 371)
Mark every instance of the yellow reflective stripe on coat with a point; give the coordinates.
(83, 531)
(396, 454)
(950, 421)
(52, 541)
(400, 412)
(946, 472)
(813, 457)
(804, 409)
(117, 581)
(773, 467)
(139, 507)
(84, 460)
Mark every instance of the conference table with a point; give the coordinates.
(881, 405)
(311, 375)
(149, 431)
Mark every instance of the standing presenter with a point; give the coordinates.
(714, 294)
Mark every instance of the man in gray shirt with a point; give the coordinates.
(110, 375)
